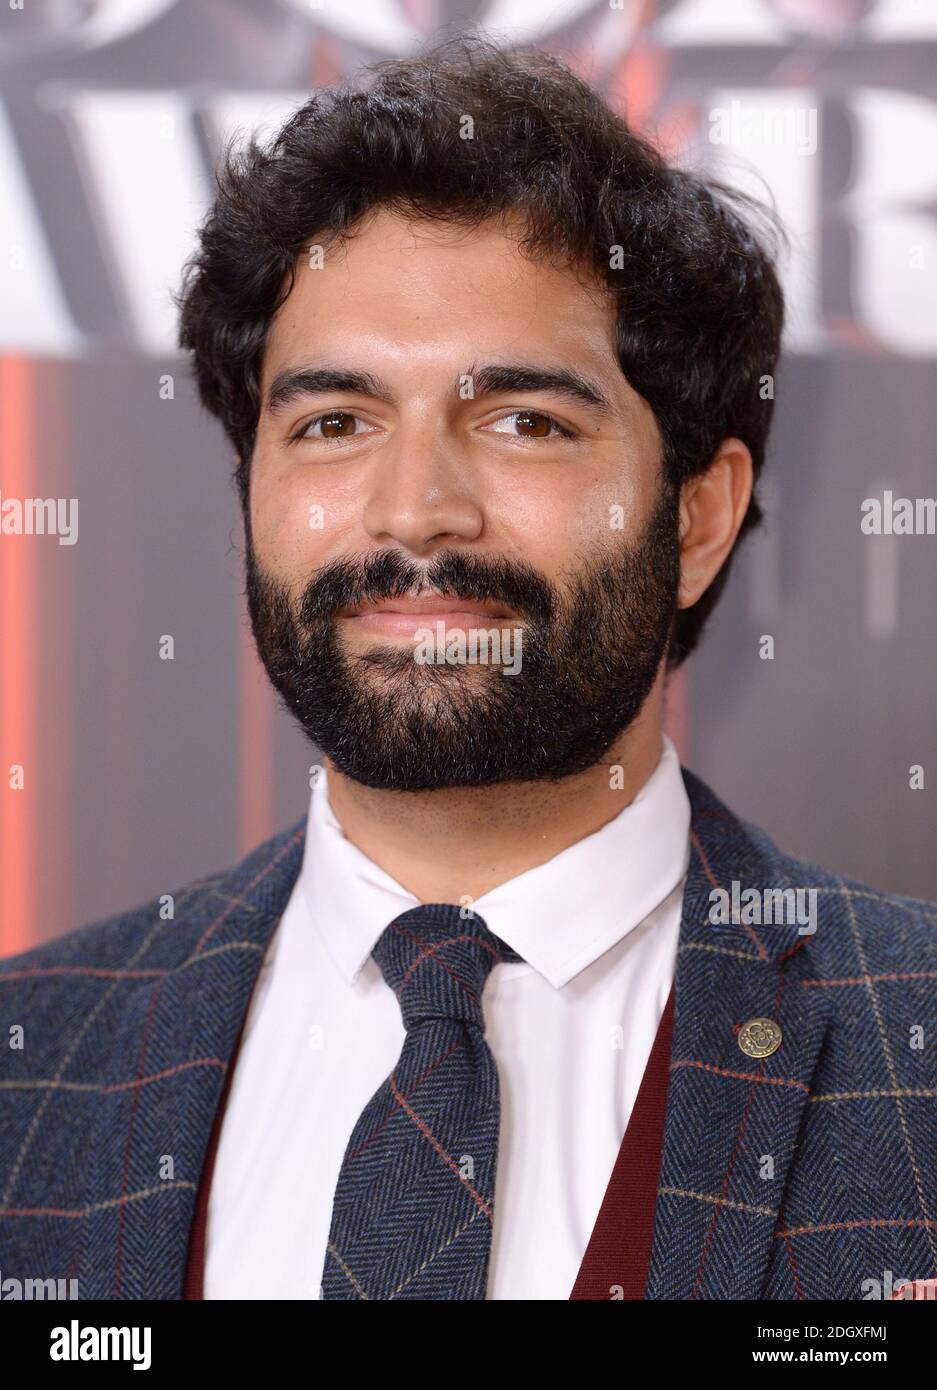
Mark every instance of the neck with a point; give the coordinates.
(446, 845)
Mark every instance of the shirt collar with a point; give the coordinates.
(559, 916)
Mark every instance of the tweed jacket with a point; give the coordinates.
(806, 1174)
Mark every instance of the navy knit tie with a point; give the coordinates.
(414, 1201)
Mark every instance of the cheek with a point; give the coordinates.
(570, 514)
(299, 517)
(284, 544)
(273, 522)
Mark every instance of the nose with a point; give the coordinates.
(422, 494)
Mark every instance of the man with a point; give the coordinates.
(521, 1010)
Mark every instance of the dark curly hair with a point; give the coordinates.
(699, 307)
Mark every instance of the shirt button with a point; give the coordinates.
(759, 1037)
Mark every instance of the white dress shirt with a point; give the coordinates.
(571, 1029)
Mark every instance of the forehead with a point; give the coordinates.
(427, 293)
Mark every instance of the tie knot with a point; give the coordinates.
(436, 960)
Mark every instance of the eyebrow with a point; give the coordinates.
(293, 383)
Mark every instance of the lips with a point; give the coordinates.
(430, 605)
(403, 616)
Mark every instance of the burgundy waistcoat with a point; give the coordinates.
(616, 1259)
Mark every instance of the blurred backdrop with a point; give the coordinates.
(124, 775)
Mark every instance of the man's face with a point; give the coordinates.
(474, 463)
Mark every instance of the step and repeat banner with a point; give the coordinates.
(124, 774)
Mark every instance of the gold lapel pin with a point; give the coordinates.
(759, 1037)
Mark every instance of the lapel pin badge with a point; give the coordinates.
(759, 1037)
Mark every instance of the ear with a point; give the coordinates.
(712, 508)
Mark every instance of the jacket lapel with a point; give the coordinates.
(170, 1038)
(732, 1120)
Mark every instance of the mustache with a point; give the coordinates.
(388, 574)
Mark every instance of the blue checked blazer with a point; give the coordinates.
(808, 1174)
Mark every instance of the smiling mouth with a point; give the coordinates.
(405, 616)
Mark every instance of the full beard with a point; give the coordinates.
(589, 660)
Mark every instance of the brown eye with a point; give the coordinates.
(533, 425)
(331, 427)
(530, 424)
(337, 425)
